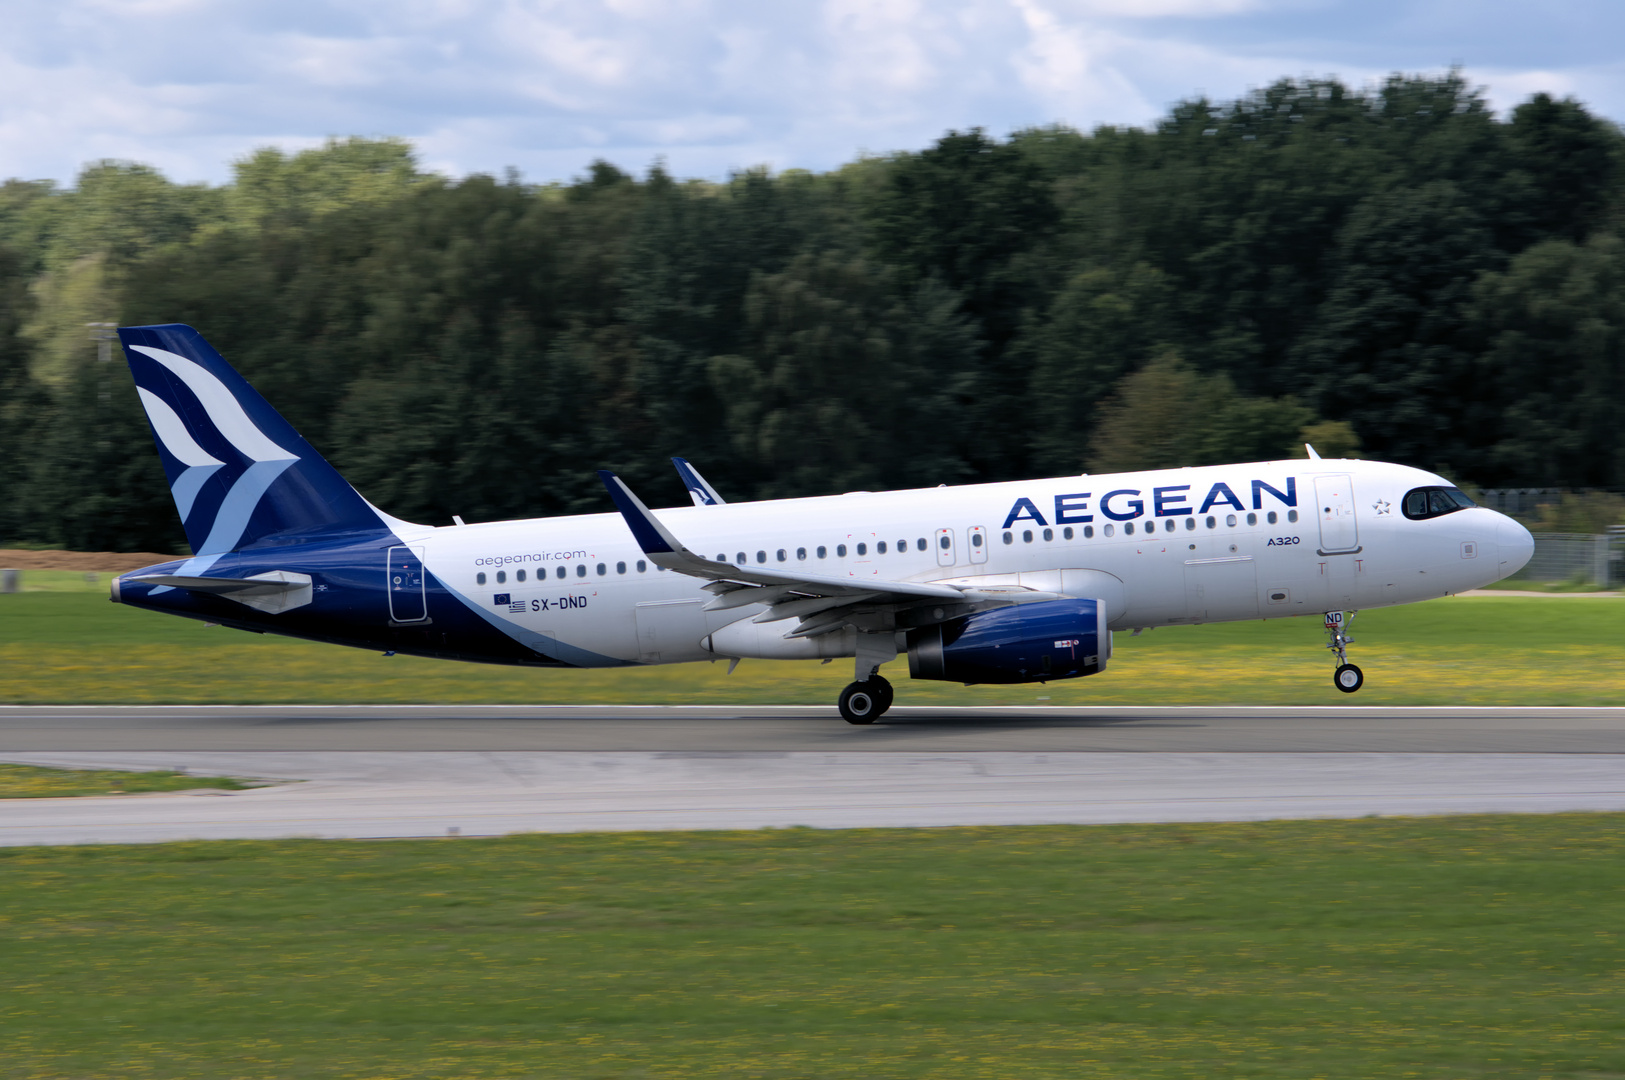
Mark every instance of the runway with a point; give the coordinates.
(795, 728)
(389, 771)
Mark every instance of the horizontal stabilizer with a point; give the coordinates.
(272, 592)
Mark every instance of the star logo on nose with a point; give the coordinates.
(1381, 506)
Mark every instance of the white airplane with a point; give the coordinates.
(988, 583)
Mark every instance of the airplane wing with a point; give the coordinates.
(701, 492)
(822, 602)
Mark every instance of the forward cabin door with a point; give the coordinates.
(945, 548)
(1334, 499)
(404, 581)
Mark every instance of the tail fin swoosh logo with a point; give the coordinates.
(226, 413)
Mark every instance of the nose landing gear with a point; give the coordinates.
(1347, 677)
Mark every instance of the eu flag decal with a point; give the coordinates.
(500, 599)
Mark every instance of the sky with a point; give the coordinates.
(713, 86)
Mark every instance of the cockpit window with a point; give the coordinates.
(1434, 502)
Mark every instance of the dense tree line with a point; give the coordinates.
(1394, 271)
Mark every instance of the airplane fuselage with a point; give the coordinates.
(1160, 548)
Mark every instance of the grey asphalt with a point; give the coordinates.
(390, 771)
(784, 729)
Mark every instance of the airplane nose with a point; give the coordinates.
(1517, 546)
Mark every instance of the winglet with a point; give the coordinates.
(701, 492)
(1312, 455)
(651, 536)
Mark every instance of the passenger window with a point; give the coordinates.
(721, 557)
(1109, 530)
(822, 551)
(1292, 516)
(1168, 526)
(1009, 538)
(740, 558)
(863, 549)
(902, 546)
(602, 570)
(761, 556)
(1210, 522)
(801, 554)
(561, 572)
(1190, 523)
(976, 539)
(581, 569)
(1128, 530)
(1049, 534)
(1026, 536)
(1252, 519)
(944, 543)
(620, 568)
(782, 555)
(502, 575)
(1088, 532)
(920, 544)
(519, 575)
(642, 566)
(840, 551)
(1230, 520)
(1272, 518)
(479, 578)
(880, 548)
(1066, 533)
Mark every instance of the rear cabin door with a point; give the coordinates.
(945, 548)
(404, 581)
(1339, 532)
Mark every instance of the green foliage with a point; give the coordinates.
(1166, 415)
(33, 782)
(1394, 268)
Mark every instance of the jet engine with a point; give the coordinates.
(1052, 639)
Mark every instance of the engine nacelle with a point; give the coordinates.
(1053, 639)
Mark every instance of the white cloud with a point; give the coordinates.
(546, 85)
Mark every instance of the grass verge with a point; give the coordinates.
(37, 782)
(1447, 947)
(1486, 650)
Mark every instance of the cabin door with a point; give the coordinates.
(1334, 500)
(404, 581)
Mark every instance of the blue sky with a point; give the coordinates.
(712, 86)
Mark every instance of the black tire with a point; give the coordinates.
(1348, 678)
(860, 704)
(884, 690)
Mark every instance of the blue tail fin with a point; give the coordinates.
(239, 472)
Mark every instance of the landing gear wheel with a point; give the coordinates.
(1348, 678)
(860, 704)
(883, 690)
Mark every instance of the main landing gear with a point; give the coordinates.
(864, 702)
(867, 698)
(1347, 677)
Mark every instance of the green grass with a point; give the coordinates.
(60, 581)
(1445, 947)
(78, 648)
(34, 782)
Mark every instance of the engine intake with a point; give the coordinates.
(1054, 639)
